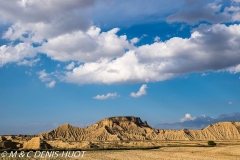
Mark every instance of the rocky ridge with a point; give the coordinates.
(132, 128)
(117, 131)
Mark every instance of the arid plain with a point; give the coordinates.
(224, 152)
(170, 153)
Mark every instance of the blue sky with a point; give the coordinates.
(173, 63)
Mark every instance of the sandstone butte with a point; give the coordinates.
(119, 129)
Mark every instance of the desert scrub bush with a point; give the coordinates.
(211, 143)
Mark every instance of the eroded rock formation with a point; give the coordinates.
(132, 128)
(116, 132)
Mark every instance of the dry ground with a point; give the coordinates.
(165, 153)
(169, 153)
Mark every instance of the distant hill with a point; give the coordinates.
(117, 131)
(133, 128)
(113, 128)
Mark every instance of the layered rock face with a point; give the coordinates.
(218, 131)
(36, 143)
(115, 131)
(64, 132)
(132, 128)
(113, 128)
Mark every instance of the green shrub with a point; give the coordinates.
(211, 143)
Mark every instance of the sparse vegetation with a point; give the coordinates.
(211, 143)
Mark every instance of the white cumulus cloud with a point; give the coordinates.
(122, 70)
(42, 19)
(17, 53)
(70, 66)
(36, 21)
(64, 33)
(30, 62)
(198, 122)
(43, 76)
(47, 78)
(195, 11)
(87, 46)
(157, 39)
(187, 117)
(235, 69)
(107, 96)
(51, 84)
(142, 91)
(209, 48)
